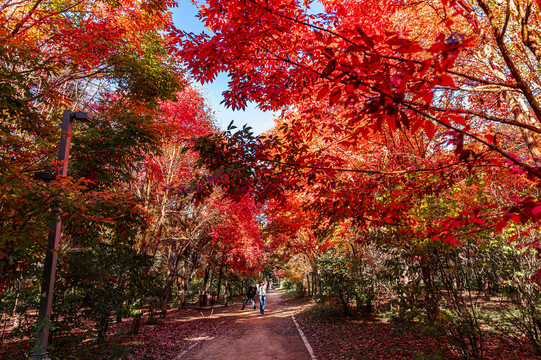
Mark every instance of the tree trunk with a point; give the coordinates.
(219, 283)
(136, 324)
(226, 295)
(183, 287)
(18, 316)
(314, 283)
(519, 108)
(172, 265)
(211, 279)
(432, 308)
(206, 278)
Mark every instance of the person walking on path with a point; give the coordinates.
(249, 296)
(262, 290)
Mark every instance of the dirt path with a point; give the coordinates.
(273, 336)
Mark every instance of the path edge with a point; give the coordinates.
(187, 350)
(304, 339)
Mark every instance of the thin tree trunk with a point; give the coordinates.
(17, 320)
(432, 307)
(519, 108)
(219, 282)
(211, 279)
(185, 285)
(206, 278)
(172, 264)
(226, 297)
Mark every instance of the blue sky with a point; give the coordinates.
(184, 19)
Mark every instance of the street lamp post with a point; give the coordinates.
(51, 255)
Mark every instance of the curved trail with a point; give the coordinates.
(273, 336)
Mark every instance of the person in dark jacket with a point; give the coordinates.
(249, 296)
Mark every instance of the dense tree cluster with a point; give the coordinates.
(409, 135)
(133, 238)
(402, 173)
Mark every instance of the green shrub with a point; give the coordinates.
(337, 279)
(99, 283)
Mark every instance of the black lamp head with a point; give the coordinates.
(82, 116)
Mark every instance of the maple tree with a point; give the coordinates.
(238, 235)
(109, 59)
(350, 77)
(297, 237)
(124, 191)
(186, 233)
(415, 123)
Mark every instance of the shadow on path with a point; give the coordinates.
(273, 336)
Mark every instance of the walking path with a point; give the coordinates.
(273, 336)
